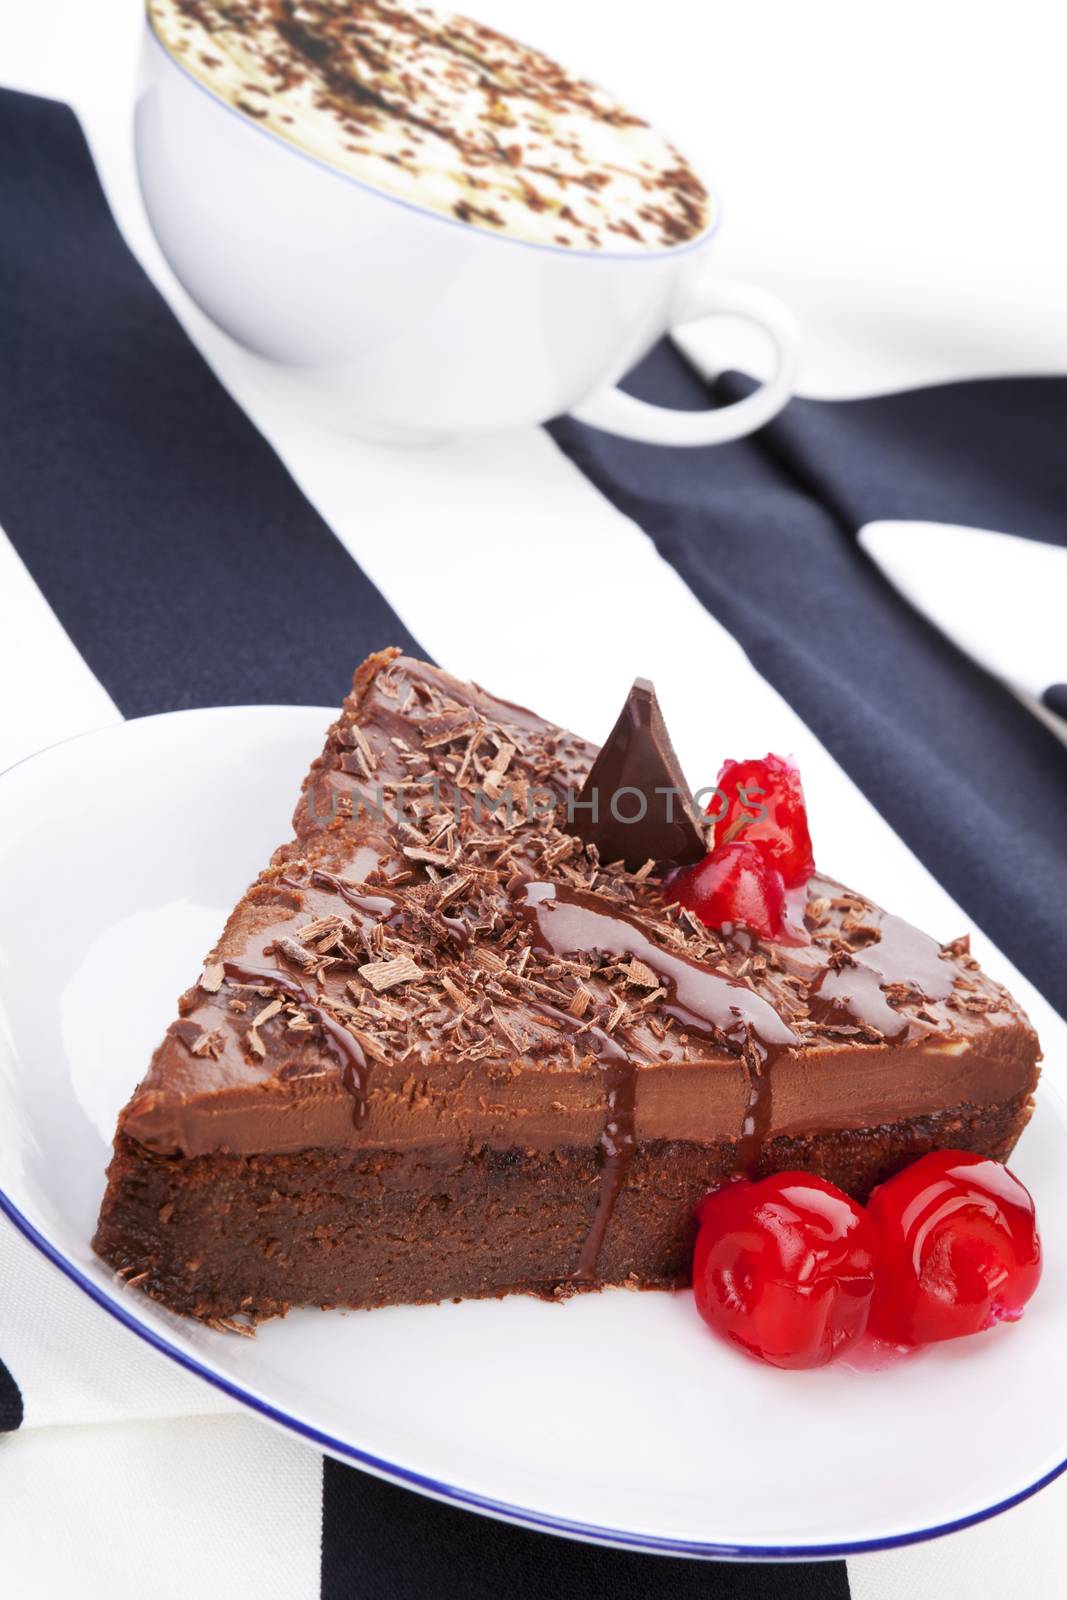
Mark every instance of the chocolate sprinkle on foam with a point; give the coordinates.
(444, 113)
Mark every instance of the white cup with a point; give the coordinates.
(399, 322)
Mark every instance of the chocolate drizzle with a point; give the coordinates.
(757, 1121)
(618, 1139)
(899, 961)
(569, 921)
(372, 905)
(704, 1002)
(635, 805)
(617, 1145)
(345, 1049)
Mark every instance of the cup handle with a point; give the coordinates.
(705, 296)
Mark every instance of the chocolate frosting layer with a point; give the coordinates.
(435, 959)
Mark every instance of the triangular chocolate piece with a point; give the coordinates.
(635, 805)
(440, 1051)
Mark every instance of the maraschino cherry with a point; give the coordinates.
(959, 1249)
(761, 848)
(732, 885)
(765, 807)
(784, 1268)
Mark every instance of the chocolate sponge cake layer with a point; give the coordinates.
(223, 1236)
(442, 1049)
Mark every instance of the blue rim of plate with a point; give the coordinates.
(501, 1509)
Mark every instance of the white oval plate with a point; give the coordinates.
(614, 1417)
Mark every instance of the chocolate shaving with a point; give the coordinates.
(640, 975)
(295, 952)
(383, 975)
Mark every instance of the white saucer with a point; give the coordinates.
(615, 1417)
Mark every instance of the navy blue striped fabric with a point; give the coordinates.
(434, 1552)
(1055, 697)
(166, 534)
(189, 570)
(763, 532)
(10, 1402)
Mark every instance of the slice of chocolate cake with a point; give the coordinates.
(443, 1049)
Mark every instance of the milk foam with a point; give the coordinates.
(444, 113)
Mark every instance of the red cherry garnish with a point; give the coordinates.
(765, 807)
(959, 1248)
(784, 1268)
(735, 885)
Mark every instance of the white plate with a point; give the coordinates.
(615, 1417)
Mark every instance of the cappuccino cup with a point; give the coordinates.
(436, 230)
